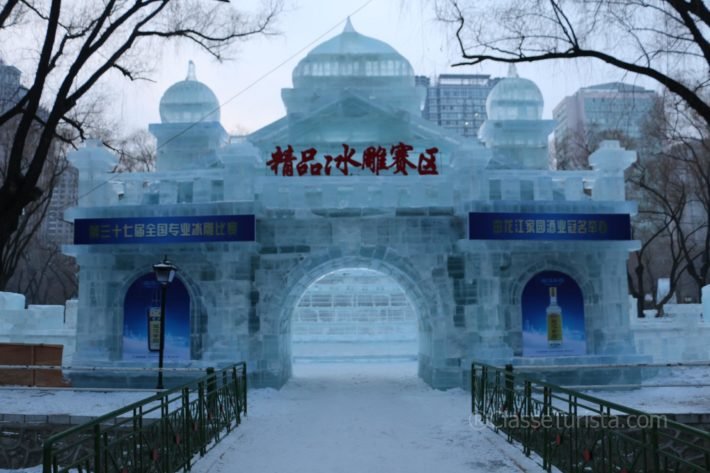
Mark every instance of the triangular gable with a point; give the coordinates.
(349, 106)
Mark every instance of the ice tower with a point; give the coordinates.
(515, 131)
(189, 134)
(475, 234)
(352, 89)
(352, 63)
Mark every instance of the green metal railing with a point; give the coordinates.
(575, 432)
(159, 434)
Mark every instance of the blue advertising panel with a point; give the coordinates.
(141, 317)
(141, 230)
(553, 316)
(548, 226)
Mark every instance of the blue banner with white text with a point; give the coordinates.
(141, 230)
(548, 226)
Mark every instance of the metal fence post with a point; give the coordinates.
(608, 459)
(509, 388)
(186, 433)
(211, 392)
(202, 435)
(484, 388)
(528, 415)
(654, 445)
(97, 448)
(498, 403)
(47, 457)
(546, 409)
(164, 441)
(246, 380)
(239, 388)
(141, 454)
(473, 388)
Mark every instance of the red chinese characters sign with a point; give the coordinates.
(374, 159)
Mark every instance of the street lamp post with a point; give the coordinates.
(164, 273)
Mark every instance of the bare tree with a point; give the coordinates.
(43, 274)
(663, 202)
(665, 40)
(35, 212)
(670, 182)
(81, 43)
(136, 151)
(691, 155)
(573, 150)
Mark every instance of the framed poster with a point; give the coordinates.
(141, 320)
(154, 329)
(553, 316)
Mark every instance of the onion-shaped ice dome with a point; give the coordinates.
(350, 57)
(189, 101)
(514, 98)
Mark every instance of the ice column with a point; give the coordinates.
(95, 164)
(610, 161)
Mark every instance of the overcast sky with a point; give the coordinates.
(251, 95)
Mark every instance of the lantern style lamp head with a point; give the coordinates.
(164, 271)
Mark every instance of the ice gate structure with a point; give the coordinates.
(502, 259)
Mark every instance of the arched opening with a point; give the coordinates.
(318, 266)
(141, 307)
(354, 314)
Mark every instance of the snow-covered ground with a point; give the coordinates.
(66, 402)
(334, 417)
(667, 400)
(361, 418)
(686, 399)
(347, 417)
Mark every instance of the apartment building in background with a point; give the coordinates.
(611, 110)
(457, 101)
(53, 228)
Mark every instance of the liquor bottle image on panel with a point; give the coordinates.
(554, 320)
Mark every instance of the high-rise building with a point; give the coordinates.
(64, 195)
(458, 101)
(10, 88)
(613, 110)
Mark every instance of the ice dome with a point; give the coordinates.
(189, 101)
(514, 98)
(349, 57)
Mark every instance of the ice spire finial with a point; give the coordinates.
(191, 71)
(512, 71)
(348, 26)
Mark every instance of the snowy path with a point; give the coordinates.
(361, 418)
